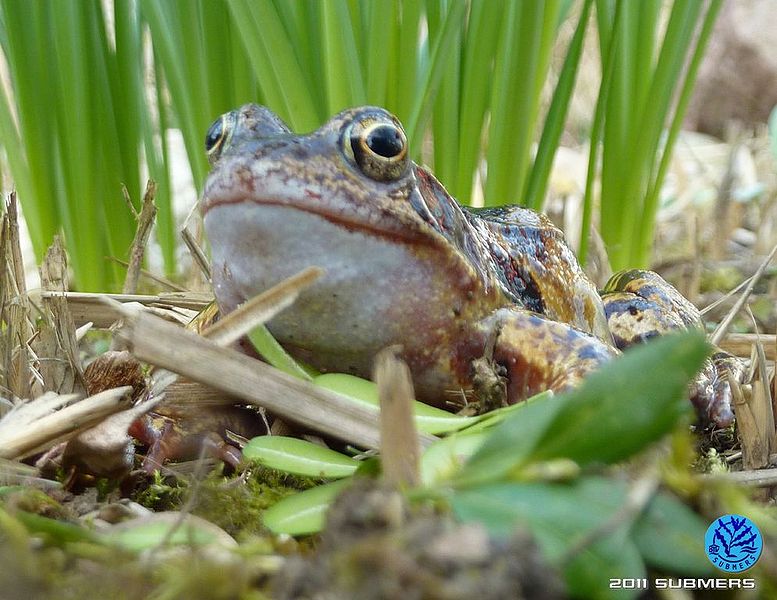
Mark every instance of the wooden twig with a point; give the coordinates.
(92, 308)
(260, 309)
(21, 436)
(756, 478)
(399, 449)
(138, 248)
(153, 340)
(163, 281)
(741, 344)
(57, 343)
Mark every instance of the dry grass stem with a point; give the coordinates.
(175, 349)
(741, 344)
(92, 308)
(720, 330)
(138, 248)
(16, 357)
(158, 279)
(197, 254)
(57, 341)
(39, 424)
(399, 449)
(755, 478)
(260, 309)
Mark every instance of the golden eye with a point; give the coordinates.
(218, 136)
(378, 147)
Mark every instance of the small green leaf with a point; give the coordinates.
(169, 529)
(56, 532)
(271, 351)
(428, 418)
(670, 537)
(300, 457)
(561, 516)
(444, 458)
(303, 513)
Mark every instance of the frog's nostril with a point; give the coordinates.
(386, 141)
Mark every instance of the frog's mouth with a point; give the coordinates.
(383, 227)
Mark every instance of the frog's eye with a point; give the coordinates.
(218, 136)
(379, 149)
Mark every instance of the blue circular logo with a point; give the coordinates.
(733, 543)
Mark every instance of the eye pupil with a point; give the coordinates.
(385, 141)
(214, 134)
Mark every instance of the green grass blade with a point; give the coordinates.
(431, 75)
(480, 44)
(274, 57)
(554, 123)
(650, 207)
(378, 50)
(403, 69)
(609, 56)
(344, 83)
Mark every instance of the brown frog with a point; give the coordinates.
(405, 264)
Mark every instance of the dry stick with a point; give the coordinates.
(63, 424)
(138, 248)
(720, 330)
(57, 344)
(16, 248)
(197, 254)
(92, 308)
(260, 309)
(756, 478)
(399, 450)
(163, 281)
(153, 340)
(756, 429)
(741, 344)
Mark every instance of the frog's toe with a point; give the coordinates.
(711, 392)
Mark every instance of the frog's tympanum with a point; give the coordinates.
(405, 264)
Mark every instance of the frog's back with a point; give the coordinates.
(537, 269)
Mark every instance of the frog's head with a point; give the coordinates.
(354, 170)
(345, 197)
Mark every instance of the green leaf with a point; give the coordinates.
(614, 414)
(55, 531)
(670, 537)
(271, 351)
(303, 513)
(429, 419)
(300, 457)
(166, 528)
(443, 459)
(561, 516)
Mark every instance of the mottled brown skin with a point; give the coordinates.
(405, 264)
(641, 305)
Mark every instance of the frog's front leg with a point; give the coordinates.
(536, 353)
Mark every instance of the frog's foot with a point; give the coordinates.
(538, 354)
(641, 305)
(711, 389)
(180, 437)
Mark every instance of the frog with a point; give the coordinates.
(454, 287)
